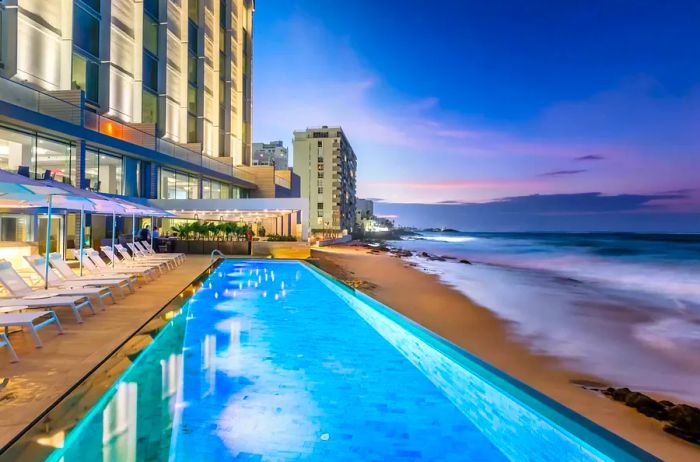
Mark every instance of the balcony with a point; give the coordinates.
(44, 103)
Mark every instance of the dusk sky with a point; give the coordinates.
(488, 103)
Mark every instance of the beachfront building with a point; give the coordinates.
(145, 99)
(169, 77)
(272, 153)
(326, 165)
(364, 214)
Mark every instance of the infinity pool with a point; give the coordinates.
(276, 361)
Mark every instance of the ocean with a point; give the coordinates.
(624, 307)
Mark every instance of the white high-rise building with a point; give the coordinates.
(326, 165)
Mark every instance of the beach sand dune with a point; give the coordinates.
(449, 313)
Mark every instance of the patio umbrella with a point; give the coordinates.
(16, 190)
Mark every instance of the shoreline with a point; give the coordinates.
(457, 318)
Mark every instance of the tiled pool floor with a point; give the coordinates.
(277, 367)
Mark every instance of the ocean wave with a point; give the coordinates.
(615, 331)
(454, 239)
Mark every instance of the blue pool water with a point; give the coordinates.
(274, 361)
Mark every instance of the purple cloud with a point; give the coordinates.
(563, 172)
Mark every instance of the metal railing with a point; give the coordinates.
(44, 103)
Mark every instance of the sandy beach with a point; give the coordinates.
(449, 313)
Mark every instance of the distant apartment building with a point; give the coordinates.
(145, 98)
(364, 214)
(326, 165)
(272, 153)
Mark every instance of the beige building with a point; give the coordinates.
(326, 165)
(179, 69)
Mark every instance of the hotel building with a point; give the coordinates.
(144, 98)
(326, 165)
(149, 99)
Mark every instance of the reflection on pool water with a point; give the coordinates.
(274, 361)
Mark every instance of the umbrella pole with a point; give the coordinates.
(114, 231)
(82, 236)
(133, 227)
(48, 244)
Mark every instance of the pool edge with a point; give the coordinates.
(588, 432)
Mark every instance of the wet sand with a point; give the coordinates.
(447, 312)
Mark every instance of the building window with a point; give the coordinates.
(193, 10)
(15, 150)
(85, 76)
(150, 71)
(149, 102)
(110, 174)
(319, 205)
(151, 7)
(192, 68)
(86, 29)
(192, 36)
(222, 14)
(320, 174)
(57, 158)
(150, 34)
(192, 99)
(212, 189)
(320, 190)
(104, 172)
(191, 128)
(178, 185)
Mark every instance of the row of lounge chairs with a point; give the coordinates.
(30, 309)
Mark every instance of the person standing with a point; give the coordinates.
(145, 234)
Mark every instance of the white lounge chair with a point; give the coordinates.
(125, 282)
(27, 321)
(149, 250)
(140, 255)
(18, 287)
(46, 299)
(37, 263)
(93, 262)
(135, 259)
(119, 263)
(5, 342)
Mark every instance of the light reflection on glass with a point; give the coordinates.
(119, 424)
(209, 363)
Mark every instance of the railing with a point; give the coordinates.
(43, 103)
(30, 98)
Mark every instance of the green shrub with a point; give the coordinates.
(278, 238)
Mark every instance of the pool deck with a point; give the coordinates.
(43, 375)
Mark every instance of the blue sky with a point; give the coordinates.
(474, 102)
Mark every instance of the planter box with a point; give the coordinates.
(208, 247)
(195, 247)
(283, 249)
(181, 246)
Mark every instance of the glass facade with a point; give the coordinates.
(55, 159)
(16, 150)
(212, 189)
(37, 155)
(150, 34)
(85, 76)
(104, 172)
(149, 102)
(16, 228)
(86, 29)
(178, 185)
